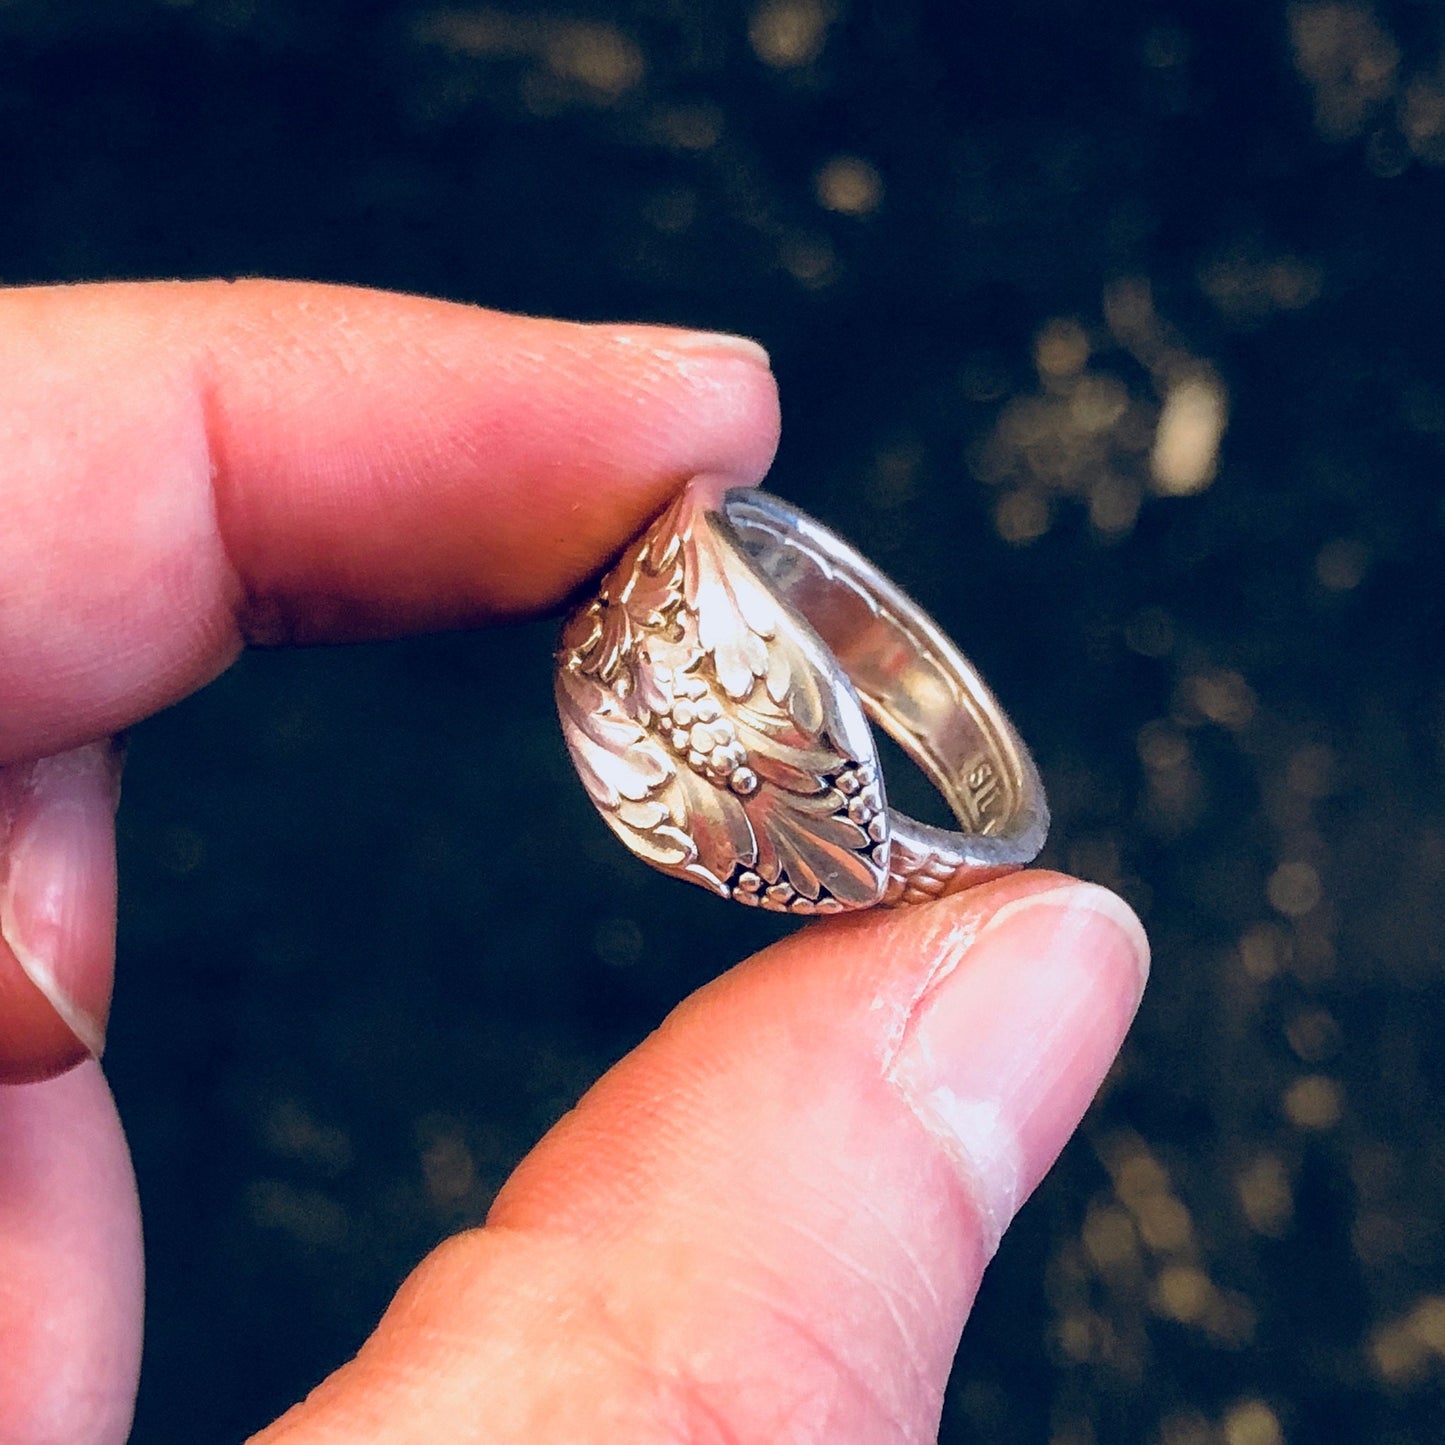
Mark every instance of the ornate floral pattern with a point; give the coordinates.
(694, 706)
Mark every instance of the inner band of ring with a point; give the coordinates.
(918, 687)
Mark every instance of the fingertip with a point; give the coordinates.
(927, 1064)
(71, 1270)
(276, 462)
(727, 403)
(476, 464)
(1014, 1031)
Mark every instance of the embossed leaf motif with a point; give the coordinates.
(699, 715)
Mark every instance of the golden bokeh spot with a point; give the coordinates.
(1349, 60)
(1361, 88)
(1061, 349)
(1248, 289)
(1341, 565)
(1262, 951)
(1162, 749)
(1396, 1354)
(1183, 1292)
(1098, 402)
(1295, 889)
(1427, 1323)
(1186, 1427)
(1314, 1035)
(688, 127)
(1129, 312)
(789, 33)
(1252, 1422)
(1022, 516)
(1266, 1196)
(448, 1169)
(1114, 504)
(1075, 1334)
(850, 185)
(291, 1132)
(1314, 1102)
(1086, 434)
(1379, 1237)
(1164, 1224)
(312, 1219)
(598, 56)
(1231, 1319)
(1221, 697)
(1110, 1241)
(1138, 1176)
(1186, 441)
(809, 260)
(1422, 118)
(478, 33)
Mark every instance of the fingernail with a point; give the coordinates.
(721, 343)
(698, 343)
(1057, 976)
(57, 883)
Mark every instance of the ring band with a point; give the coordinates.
(715, 697)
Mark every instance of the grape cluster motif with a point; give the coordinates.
(700, 733)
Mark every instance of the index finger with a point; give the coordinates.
(188, 467)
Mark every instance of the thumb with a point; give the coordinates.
(769, 1222)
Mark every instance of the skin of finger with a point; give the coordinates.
(741, 1233)
(190, 466)
(34, 1042)
(71, 1279)
(57, 906)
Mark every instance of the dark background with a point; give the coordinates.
(1006, 257)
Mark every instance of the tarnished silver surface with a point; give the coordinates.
(713, 697)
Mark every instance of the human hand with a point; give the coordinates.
(768, 1222)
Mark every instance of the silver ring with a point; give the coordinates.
(715, 697)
